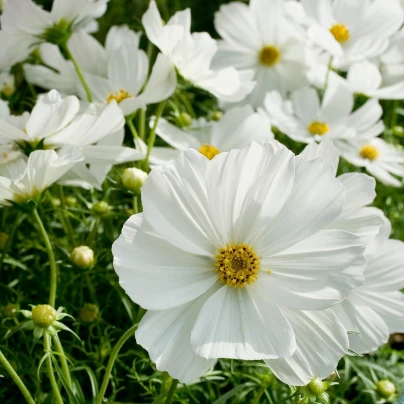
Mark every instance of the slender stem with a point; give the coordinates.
(259, 394)
(328, 73)
(18, 221)
(51, 375)
(93, 232)
(171, 392)
(13, 374)
(79, 73)
(132, 128)
(51, 256)
(142, 123)
(152, 136)
(393, 121)
(63, 361)
(66, 218)
(111, 361)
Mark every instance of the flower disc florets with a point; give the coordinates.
(209, 151)
(369, 152)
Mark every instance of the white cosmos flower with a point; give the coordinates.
(353, 31)
(259, 37)
(376, 309)
(55, 121)
(238, 127)
(24, 25)
(307, 119)
(392, 61)
(23, 180)
(192, 55)
(229, 254)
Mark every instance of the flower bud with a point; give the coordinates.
(9, 310)
(43, 315)
(317, 386)
(133, 178)
(398, 130)
(217, 115)
(55, 202)
(82, 257)
(3, 240)
(101, 207)
(385, 388)
(184, 120)
(89, 313)
(71, 200)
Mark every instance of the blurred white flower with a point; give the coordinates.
(259, 37)
(25, 180)
(7, 83)
(238, 127)
(353, 31)
(25, 25)
(392, 61)
(225, 240)
(376, 309)
(192, 55)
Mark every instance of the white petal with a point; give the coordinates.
(337, 102)
(242, 323)
(364, 77)
(321, 341)
(110, 154)
(325, 150)
(393, 92)
(162, 155)
(154, 273)
(306, 104)
(120, 35)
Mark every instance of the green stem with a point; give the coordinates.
(171, 392)
(152, 136)
(18, 221)
(111, 361)
(51, 375)
(396, 104)
(51, 256)
(13, 374)
(79, 73)
(142, 123)
(260, 393)
(93, 232)
(63, 361)
(132, 128)
(66, 218)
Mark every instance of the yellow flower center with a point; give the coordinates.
(340, 33)
(318, 128)
(209, 151)
(119, 96)
(369, 152)
(237, 265)
(269, 55)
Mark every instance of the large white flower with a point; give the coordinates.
(24, 25)
(238, 127)
(259, 37)
(55, 122)
(22, 181)
(376, 309)
(192, 55)
(230, 252)
(353, 31)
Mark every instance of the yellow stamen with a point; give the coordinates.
(237, 265)
(340, 33)
(119, 96)
(209, 151)
(369, 152)
(269, 55)
(318, 128)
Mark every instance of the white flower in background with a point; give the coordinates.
(353, 31)
(56, 122)
(307, 119)
(376, 309)
(7, 83)
(230, 252)
(25, 25)
(59, 73)
(192, 55)
(25, 180)
(259, 37)
(392, 61)
(238, 127)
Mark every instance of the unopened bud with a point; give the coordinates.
(385, 388)
(398, 130)
(184, 120)
(43, 315)
(133, 178)
(82, 257)
(9, 310)
(101, 207)
(89, 313)
(55, 202)
(317, 386)
(3, 240)
(71, 200)
(217, 115)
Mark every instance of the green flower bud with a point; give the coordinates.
(217, 115)
(9, 310)
(55, 202)
(184, 120)
(385, 388)
(398, 130)
(316, 386)
(82, 257)
(101, 207)
(3, 240)
(43, 315)
(71, 200)
(133, 179)
(89, 313)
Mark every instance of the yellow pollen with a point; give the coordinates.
(119, 96)
(318, 128)
(209, 151)
(340, 33)
(369, 152)
(237, 265)
(269, 55)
